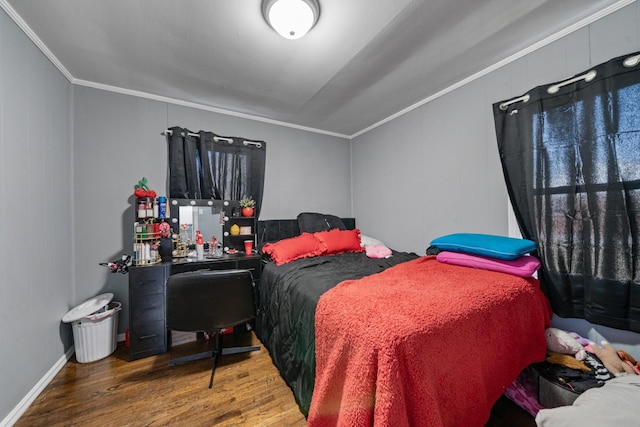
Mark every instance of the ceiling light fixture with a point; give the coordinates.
(291, 19)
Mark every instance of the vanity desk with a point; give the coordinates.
(148, 334)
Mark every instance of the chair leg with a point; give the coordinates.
(203, 355)
(216, 349)
(219, 351)
(236, 350)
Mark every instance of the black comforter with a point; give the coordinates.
(288, 297)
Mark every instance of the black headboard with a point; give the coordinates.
(272, 230)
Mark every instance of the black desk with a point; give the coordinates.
(148, 333)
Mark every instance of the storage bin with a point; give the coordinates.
(95, 327)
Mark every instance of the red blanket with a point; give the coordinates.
(423, 344)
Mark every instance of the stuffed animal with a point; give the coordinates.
(561, 342)
(567, 360)
(582, 341)
(629, 360)
(611, 360)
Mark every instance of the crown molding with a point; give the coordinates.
(548, 40)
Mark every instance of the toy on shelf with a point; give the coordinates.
(142, 190)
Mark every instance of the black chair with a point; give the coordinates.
(210, 301)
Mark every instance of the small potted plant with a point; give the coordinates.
(247, 204)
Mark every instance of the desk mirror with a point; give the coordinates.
(190, 215)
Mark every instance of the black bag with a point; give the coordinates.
(558, 385)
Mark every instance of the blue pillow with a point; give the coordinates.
(485, 244)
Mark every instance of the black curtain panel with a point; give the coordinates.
(570, 154)
(204, 165)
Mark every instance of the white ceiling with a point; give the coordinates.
(364, 61)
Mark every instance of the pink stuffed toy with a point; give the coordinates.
(561, 342)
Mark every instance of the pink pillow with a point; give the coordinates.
(523, 266)
(339, 241)
(287, 250)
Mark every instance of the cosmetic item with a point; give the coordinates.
(156, 208)
(142, 209)
(212, 246)
(149, 208)
(199, 246)
(162, 207)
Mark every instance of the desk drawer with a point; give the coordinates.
(203, 265)
(147, 280)
(223, 265)
(145, 309)
(148, 336)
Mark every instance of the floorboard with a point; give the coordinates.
(248, 391)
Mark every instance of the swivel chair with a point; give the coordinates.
(210, 301)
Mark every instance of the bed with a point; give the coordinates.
(399, 341)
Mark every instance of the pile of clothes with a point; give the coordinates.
(575, 371)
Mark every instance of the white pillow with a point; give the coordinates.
(369, 241)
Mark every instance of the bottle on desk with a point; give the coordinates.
(162, 207)
(199, 246)
(212, 246)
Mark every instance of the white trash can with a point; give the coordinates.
(95, 327)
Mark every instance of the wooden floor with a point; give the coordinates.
(247, 391)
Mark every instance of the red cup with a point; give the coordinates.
(248, 247)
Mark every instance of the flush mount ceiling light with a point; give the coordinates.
(291, 19)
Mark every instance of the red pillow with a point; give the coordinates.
(338, 241)
(287, 250)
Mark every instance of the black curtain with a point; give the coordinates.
(204, 165)
(571, 161)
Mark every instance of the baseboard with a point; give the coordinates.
(26, 401)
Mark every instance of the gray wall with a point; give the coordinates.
(436, 170)
(36, 216)
(69, 160)
(118, 141)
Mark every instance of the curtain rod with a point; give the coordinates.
(217, 138)
(505, 104)
(586, 77)
(553, 88)
(631, 61)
